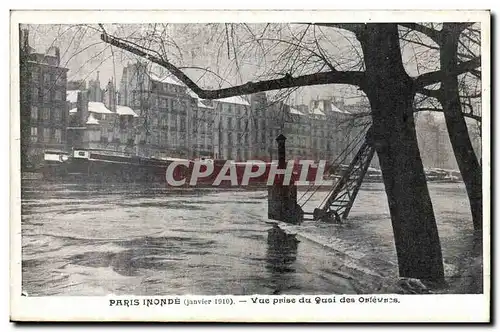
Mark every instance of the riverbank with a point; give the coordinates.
(364, 251)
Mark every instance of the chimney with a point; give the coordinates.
(82, 107)
(58, 55)
(111, 94)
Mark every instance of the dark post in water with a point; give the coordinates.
(282, 198)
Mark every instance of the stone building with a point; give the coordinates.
(433, 141)
(321, 131)
(167, 113)
(43, 102)
(232, 139)
(266, 122)
(297, 126)
(95, 91)
(76, 85)
(203, 124)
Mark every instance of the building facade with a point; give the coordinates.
(320, 131)
(172, 122)
(44, 110)
(232, 139)
(102, 126)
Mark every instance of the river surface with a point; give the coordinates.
(93, 239)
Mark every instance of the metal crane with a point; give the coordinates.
(338, 203)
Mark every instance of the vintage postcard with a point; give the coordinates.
(250, 166)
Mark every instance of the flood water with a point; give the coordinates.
(93, 239)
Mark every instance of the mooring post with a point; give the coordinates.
(282, 197)
(281, 151)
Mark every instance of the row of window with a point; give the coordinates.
(52, 78)
(47, 95)
(48, 135)
(203, 115)
(238, 154)
(46, 113)
(170, 104)
(233, 109)
(160, 87)
(240, 124)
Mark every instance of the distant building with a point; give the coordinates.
(95, 91)
(434, 143)
(321, 131)
(76, 85)
(202, 128)
(232, 128)
(43, 102)
(100, 126)
(167, 113)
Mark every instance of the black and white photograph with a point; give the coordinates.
(219, 163)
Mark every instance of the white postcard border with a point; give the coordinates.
(412, 308)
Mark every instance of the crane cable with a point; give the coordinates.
(357, 145)
(358, 139)
(339, 159)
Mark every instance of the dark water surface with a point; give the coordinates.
(135, 239)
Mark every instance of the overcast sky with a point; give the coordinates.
(206, 46)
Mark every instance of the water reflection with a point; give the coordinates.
(281, 250)
(281, 256)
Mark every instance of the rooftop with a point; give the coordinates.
(338, 110)
(92, 120)
(165, 79)
(125, 110)
(238, 100)
(72, 95)
(100, 108)
(293, 110)
(316, 111)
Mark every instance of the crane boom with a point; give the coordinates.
(339, 203)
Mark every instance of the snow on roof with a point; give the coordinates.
(191, 93)
(316, 111)
(338, 110)
(125, 110)
(194, 95)
(201, 105)
(234, 100)
(97, 107)
(295, 111)
(91, 120)
(72, 96)
(165, 79)
(230, 100)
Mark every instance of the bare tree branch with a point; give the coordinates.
(435, 76)
(430, 93)
(432, 109)
(353, 27)
(433, 34)
(475, 95)
(422, 109)
(476, 73)
(339, 77)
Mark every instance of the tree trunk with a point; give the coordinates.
(390, 92)
(455, 122)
